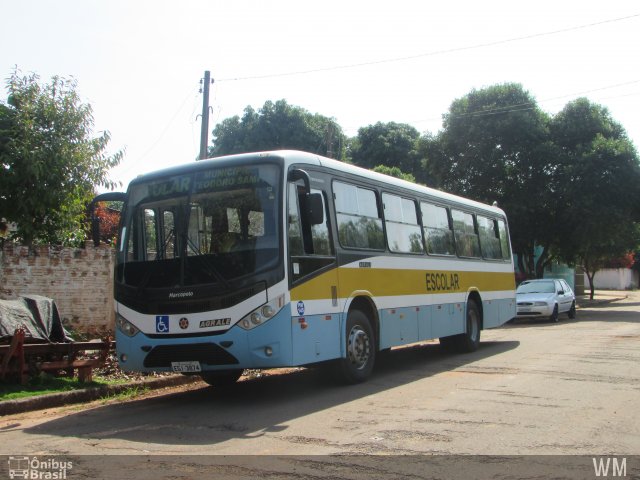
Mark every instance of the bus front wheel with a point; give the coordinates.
(358, 362)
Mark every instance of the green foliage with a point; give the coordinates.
(598, 173)
(565, 182)
(278, 126)
(49, 160)
(495, 147)
(389, 144)
(395, 172)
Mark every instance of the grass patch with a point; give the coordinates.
(45, 383)
(126, 394)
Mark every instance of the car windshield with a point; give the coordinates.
(201, 228)
(536, 287)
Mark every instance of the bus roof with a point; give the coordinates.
(290, 157)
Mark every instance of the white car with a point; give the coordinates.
(545, 298)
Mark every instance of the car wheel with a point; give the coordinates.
(572, 310)
(554, 316)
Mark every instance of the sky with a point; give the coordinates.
(138, 63)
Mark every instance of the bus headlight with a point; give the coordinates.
(262, 314)
(125, 326)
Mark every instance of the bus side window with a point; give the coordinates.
(504, 240)
(359, 221)
(489, 238)
(404, 235)
(467, 241)
(437, 230)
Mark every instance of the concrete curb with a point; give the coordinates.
(51, 400)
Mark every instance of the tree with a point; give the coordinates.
(391, 144)
(597, 252)
(278, 126)
(495, 146)
(108, 214)
(395, 172)
(49, 160)
(597, 175)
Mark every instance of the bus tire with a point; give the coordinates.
(358, 362)
(469, 341)
(222, 378)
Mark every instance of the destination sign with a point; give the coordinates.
(224, 178)
(173, 186)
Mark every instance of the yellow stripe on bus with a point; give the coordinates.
(389, 282)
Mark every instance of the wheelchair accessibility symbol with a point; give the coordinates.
(162, 323)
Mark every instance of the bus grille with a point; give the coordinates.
(206, 353)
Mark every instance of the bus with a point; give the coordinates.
(286, 258)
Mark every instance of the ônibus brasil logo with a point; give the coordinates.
(40, 469)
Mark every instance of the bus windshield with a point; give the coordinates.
(207, 227)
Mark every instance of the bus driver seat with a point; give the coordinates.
(222, 240)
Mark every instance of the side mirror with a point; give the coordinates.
(316, 209)
(298, 174)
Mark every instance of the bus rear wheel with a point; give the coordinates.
(222, 378)
(357, 364)
(469, 341)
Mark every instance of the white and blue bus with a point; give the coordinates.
(287, 258)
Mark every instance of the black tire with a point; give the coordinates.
(469, 341)
(360, 348)
(222, 378)
(572, 311)
(554, 316)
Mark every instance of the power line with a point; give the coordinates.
(429, 54)
(518, 107)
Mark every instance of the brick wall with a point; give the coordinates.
(80, 280)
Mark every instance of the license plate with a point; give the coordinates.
(524, 309)
(186, 367)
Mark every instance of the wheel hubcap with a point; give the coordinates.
(358, 347)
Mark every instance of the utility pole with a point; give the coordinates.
(204, 130)
(329, 139)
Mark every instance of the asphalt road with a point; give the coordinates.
(532, 388)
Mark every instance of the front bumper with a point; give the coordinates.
(528, 311)
(260, 347)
